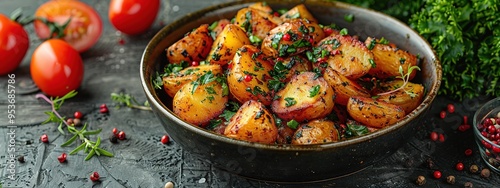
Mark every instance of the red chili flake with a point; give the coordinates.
(328, 31)
(62, 158)
(195, 63)
(287, 37)
(441, 137)
(165, 139)
(335, 52)
(121, 41)
(248, 78)
(230, 66)
(277, 14)
(442, 115)
(459, 166)
(461, 128)
(434, 136)
(437, 174)
(468, 152)
(311, 40)
(78, 115)
(44, 138)
(450, 108)
(94, 176)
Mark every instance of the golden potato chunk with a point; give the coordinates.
(195, 46)
(299, 11)
(316, 132)
(343, 87)
(305, 97)
(373, 113)
(408, 97)
(347, 55)
(248, 74)
(253, 123)
(388, 58)
(286, 68)
(198, 102)
(218, 27)
(262, 6)
(291, 38)
(173, 82)
(226, 44)
(256, 22)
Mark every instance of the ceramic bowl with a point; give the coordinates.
(291, 163)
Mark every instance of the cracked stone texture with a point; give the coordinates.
(142, 161)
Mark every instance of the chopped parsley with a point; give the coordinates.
(290, 101)
(349, 18)
(292, 124)
(314, 91)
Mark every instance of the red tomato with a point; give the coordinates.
(133, 17)
(56, 67)
(14, 43)
(85, 26)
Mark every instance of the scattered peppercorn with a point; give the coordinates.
(94, 176)
(493, 161)
(450, 179)
(441, 138)
(165, 139)
(44, 138)
(409, 163)
(287, 37)
(21, 159)
(78, 115)
(115, 131)
(169, 185)
(113, 139)
(420, 180)
(70, 122)
(28, 142)
(62, 158)
(77, 122)
(434, 136)
(468, 184)
(459, 166)
(248, 78)
(430, 163)
(104, 110)
(485, 173)
(195, 63)
(442, 115)
(437, 174)
(122, 135)
(450, 108)
(474, 169)
(468, 152)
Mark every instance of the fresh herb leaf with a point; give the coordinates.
(314, 91)
(293, 124)
(290, 101)
(349, 18)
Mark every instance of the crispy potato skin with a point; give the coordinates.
(343, 87)
(256, 22)
(302, 32)
(295, 100)
(388, 58)
(193, 47)
(348, 55)
(226, 44)
(247, 61)
(221, 24)
(373, 113)
(262, 7)
(301, 11)
(174, 82)
(253, 123)
(316, 132)
(401, 97)
(199, 107)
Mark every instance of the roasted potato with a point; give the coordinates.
(388, 58)
(316, 132)
(285, 135)
(195, 46)
(408, 97)
(347, 55)
(286, 68)
(219, 26)
(262, 6)
(173, 82)
(299, 11)
(305, 97)
(226, 44)
(291, 38)
(339, 114)
(253, 123)
(256, 22)
(198, 102)
(248, 74)
(343, 87)
(373, 113)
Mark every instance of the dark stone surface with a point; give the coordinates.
(142, 161)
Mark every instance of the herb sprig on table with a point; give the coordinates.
(90, 147)
(465, 35)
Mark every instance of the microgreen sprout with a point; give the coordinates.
(406, 79)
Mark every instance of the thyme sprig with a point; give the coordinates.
(405, 78)
(128, 100)
(92, 148)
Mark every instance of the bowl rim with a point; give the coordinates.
(424, 105)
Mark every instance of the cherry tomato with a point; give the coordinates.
(14, 43)
(133, 17)
(84, 28)
(56, 67)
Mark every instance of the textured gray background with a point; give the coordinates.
(142, 161)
